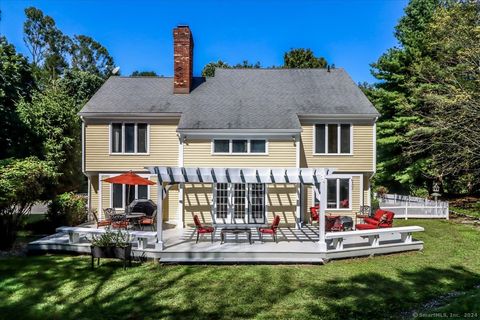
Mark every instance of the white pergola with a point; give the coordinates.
(315, 177)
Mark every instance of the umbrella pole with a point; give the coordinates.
(128, 200)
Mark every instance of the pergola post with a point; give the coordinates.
(321, 217)
(298, 211)
(159, 244)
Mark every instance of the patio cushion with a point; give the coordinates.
(205, 230)
(370, 221)
(146, 221)
(119, 224)
(103, 223)
(378, 214)
(365, 226)
(266, 230)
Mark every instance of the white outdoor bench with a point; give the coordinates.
(75, 232)
(373, 235)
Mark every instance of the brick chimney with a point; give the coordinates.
(182, 59)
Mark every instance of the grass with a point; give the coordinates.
(64, 287)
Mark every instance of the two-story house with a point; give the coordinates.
(240, 118)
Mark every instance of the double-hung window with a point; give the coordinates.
(333, 138)
(338, 193)
(239, 146)
(123, 195)
(129, 138)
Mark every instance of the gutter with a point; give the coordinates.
(130, 115)
(239, 132)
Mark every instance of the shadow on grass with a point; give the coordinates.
(56, 287)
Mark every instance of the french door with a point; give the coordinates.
(239, 203)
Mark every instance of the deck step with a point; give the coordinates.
(244, 260)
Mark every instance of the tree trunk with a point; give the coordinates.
(8, 232)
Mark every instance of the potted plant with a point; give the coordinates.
(112, 245)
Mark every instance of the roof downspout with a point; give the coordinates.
(83, 145)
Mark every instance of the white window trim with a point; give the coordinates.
(135, 142)
(326, 139)
(124, 188)
(231, 204)
(350, 195)
(230, 148)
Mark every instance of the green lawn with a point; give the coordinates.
(64, 287)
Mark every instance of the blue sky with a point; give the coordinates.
(349, 33)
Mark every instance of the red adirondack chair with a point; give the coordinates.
(201, 229)
(314, 213)
(271, 230)
(381, 219)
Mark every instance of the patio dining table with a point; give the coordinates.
(134, 217)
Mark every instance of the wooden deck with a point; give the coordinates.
(294, 246)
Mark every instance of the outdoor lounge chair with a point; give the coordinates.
(148, 221)
(381, 219)
(271, 230)
(314, 213)
(201, 229)
(105, 222)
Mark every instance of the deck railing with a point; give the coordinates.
(414, 207)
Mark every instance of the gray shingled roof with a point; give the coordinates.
(237, 98)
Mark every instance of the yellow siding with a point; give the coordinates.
(366, 191)
(198, 199)
(163, 149)
(361, 160)
(105, 193)
(197, 153)
(94, 195)
(281, 200)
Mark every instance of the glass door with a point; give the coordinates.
(239, 201)
(221, 205)
(256, 199)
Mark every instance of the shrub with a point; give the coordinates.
(67, 209)
(381, 190)
(112, 239)
(420, 192)
(375, 204)
(22, 183)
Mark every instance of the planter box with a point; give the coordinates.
(112, 253)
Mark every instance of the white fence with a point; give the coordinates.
(414, 207)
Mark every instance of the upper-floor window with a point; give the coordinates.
(333, 138)
(129, 138)
(239, 146)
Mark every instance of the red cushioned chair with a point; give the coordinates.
(381, 219)
(105, 222)
(314, 213)
(148, 221)
(201, 229)
(271, 230)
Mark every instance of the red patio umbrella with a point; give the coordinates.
(131, 179)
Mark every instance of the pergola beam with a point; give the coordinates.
(302, 176)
